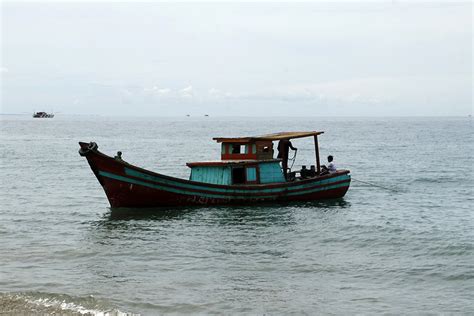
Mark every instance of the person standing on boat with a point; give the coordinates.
(284, 146)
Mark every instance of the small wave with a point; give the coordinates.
(436, 180)
(45, 303)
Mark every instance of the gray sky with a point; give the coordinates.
(301, 59)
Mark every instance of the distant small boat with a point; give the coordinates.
(246, 174)
(43, 115)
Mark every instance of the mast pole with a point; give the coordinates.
(316, 149)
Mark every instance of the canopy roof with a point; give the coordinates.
(269, 137)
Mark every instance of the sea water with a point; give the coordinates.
(403, 246)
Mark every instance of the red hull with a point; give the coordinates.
(128, 186)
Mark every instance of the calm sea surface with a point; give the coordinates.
(409, 249)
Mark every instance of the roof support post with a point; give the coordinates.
(316, 149)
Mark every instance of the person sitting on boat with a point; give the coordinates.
(284, 146)
(331, 168)
(331, 164)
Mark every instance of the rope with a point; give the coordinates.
(357, 180)
(375, 185)
(293, 159)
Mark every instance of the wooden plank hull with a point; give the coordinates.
(129, 186)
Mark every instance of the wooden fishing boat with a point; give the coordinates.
(246, 174)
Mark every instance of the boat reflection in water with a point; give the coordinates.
(266, 210)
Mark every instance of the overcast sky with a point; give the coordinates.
(300, 59)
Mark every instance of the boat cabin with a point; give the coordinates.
(248, 160)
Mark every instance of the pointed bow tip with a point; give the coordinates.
(83, 144)
(87, 147)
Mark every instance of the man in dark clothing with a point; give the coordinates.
(284, 146)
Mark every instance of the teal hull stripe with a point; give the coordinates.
(173, 190)
(160, 180)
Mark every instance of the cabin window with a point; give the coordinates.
(223, 148)
(265, 150)
(251, 174)
(254, 149)
(237, 149)
(238, 175)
